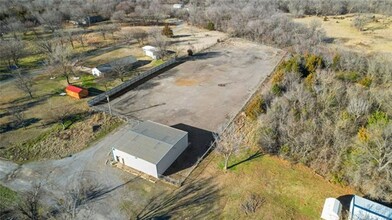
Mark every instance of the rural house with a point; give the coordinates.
(150, 147)
(126, 62)
(152, 52)
(76, 92)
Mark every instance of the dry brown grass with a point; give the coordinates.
(60, 143)
(377, 36)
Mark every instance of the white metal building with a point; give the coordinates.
(152, 52)
(361, 208)
(150, 147)
(332, 209)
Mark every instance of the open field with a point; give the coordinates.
(376, 37)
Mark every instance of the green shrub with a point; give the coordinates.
(366, 81)
(378, 117)
(210, 26)
(276, 89)
(313, 62)
(254, 107)
(336, 61)
(348, 76)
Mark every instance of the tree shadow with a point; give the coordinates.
(4, 128)
(195, 200)
(181, 35)
(251, 157)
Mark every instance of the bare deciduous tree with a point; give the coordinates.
(119, 69)
(139, 34)
(30, 206)
(60, 59)
(24, 82)
(228, 143)
(160, 41)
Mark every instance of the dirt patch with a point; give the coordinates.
(186, 82)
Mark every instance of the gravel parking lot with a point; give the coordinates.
(204, 92)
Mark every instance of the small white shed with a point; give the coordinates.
(178, 6)
(332, 209)
(152, 52)
(150, 147)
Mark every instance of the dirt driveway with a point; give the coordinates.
(58, 176)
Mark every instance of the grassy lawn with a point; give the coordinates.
(114, 54)
(289, 191)
(7, 197)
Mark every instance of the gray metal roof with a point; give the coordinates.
(149, 141)
(124, 61)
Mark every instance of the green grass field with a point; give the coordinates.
(289, 191)
(7, 198)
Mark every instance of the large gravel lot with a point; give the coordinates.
(204, 92)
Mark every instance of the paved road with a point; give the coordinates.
(59, 175)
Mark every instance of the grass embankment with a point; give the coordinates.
(8, 198)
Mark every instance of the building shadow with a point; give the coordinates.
(200, 140)
(94, 91)
(345, 200)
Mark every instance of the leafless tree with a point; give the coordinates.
(119, 69)
(18, 116)
(228, 143)
(30, 205)
(358, 107)
(45, 46)
(59, 114)
(14, 26)
(160, 41)
(12, 50)
(60, 59)
(79, 195)
(24, 82)
(139, 34)
(51, 19)
(119, 16)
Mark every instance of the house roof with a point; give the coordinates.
(149, 141)
(150, 48)
(124, 61)
(73, 88)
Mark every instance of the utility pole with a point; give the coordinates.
(110, 109)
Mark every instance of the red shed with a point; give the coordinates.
(76, 92)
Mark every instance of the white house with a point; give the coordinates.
(332, 209)
(150, 147)
(152, 52)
